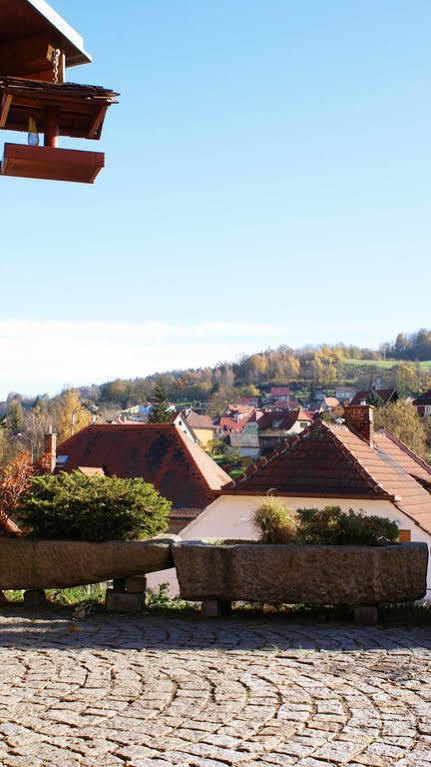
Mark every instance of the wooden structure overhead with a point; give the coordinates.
(80, 109)
(28, 30)
(36, 47)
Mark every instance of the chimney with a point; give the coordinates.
(50, 450)
(360, 418)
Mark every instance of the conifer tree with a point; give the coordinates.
(160, 412)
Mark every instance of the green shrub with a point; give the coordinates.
(331, 525)
(275, 523)
(77, 507)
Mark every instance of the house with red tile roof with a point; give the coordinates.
(159, 453)
(365, 397)
(250, 401)
(347, 464)
(327, 404)
(275, 426)
(233, 421)
(280, 393)
(201, 426)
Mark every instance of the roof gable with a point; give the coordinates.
(386, 395)
(330, 460)
(314, 463)
(159, 453)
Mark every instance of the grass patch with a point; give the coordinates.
(160, 601)
(237, 473)
(386, 364)
(67, 597)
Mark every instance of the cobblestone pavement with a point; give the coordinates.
(152, 692)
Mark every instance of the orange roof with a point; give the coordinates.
(330, 460)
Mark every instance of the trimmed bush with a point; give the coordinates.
(76, 507)
(331, 525)
(275, 523)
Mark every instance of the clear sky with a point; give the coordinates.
(268, 181)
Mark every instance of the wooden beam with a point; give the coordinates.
(5, 107)
(97, 122)
(25, 56)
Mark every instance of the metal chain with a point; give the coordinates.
(55, 60)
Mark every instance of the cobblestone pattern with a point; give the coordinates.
(149, 692)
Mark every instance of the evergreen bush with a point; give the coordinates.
(331, 525)
(328, 526)
(76, 507)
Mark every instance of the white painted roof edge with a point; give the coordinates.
(42, 7)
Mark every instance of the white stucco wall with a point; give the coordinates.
(231, 516)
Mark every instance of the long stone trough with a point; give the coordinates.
(41, 564)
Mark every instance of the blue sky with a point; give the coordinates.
(267, 181)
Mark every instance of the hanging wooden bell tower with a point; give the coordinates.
(36, 48)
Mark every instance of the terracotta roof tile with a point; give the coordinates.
(281, 419)
(160, 453)
(230, 425)
(197, 421)
(330, 460)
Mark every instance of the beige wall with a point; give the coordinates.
(205, 436)
(231, 516)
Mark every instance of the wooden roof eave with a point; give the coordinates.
(71, 42)
(80, 103)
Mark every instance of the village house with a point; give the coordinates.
(280, 394)
(247, 442)
(365, 397)
(289, 404)
(159, 453)
(249, 401)
(345, 394)
(233, 420)
(201, 426)
(330, 464)
(275, 426)
(327, 404)
(423, 404)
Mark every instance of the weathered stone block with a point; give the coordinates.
(355, 575)
(122, 602)
(35, 564)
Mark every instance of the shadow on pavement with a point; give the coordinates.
(57, 629)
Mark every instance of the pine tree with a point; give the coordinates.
(160, 412)
(15, 417)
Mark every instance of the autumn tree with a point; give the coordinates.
(14, 482)
(70, 414)
(407, 379)
(402, 420)
(219, 401)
